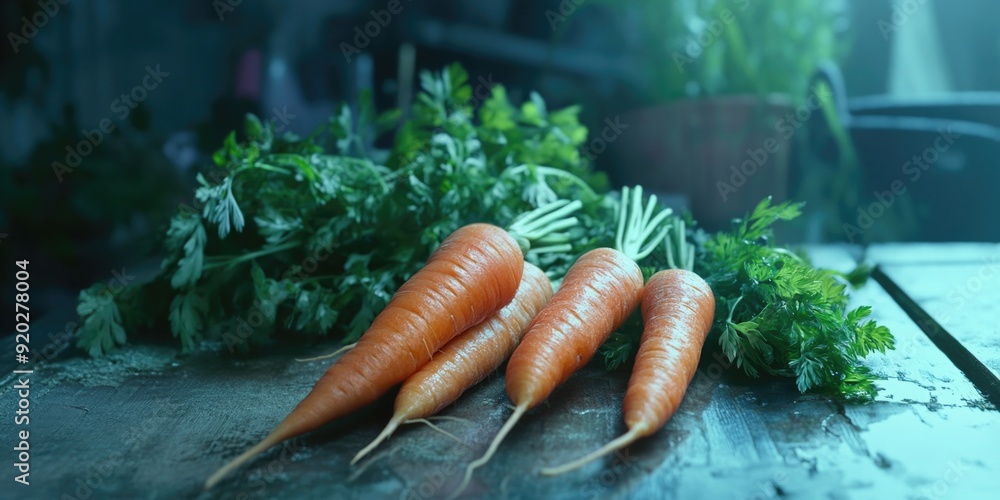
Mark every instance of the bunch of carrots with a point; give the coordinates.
(476, 304)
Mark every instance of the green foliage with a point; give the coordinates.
(102, 322)
(713, 47)
(779, 315)
(187, 313)
(776, 314)
(313, 235)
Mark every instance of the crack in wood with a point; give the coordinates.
(980, 376)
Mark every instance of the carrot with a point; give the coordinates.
(598, 293)
(677, 312)
(474, 272)
(469, 358)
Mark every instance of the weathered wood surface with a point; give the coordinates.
(958, 285)
(145, 423)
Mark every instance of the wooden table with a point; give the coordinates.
(148, 423)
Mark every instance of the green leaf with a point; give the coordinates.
(101, 329)
(227, 211)
(791, 318)
(388, 120)
(187, 312)
(276, 227)
(254, 129)
(190, 230)
(189, 268)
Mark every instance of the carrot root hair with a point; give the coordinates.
(389, 429)
(507, 426)
(442, 431)
(272, 439)
(616, 444)
(333, 354)
(449, 417)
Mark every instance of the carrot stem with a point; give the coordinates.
(564, 248)
(342, 350)
(514, 417)
(544, 223)
(618, 443)
(680, 253)
(555, 172)
(639, 232)
(232, 260)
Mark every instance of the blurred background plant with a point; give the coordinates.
(719, 80)
(704, 48)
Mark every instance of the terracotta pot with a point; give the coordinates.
(723, 154)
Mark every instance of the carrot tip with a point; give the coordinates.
(616, 444)
(507, 426)
(389, 429)
(272, 439)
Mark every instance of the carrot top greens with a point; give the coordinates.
(776, 314)
(312, 235)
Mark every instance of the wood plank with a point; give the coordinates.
(929, 253)
(146, 423)
(963, 296)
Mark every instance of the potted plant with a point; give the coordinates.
(723, 93)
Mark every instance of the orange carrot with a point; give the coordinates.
(474, 272)
(469, 358)
(677, 312)
(598, 293)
